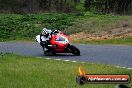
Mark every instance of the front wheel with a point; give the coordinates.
(74, 50)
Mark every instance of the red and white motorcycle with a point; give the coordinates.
(59, 43)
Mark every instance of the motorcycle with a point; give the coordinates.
(59, 43)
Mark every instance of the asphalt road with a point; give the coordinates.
(106, 54)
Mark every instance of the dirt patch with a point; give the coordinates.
(112, 34)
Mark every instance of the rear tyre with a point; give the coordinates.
(74, 50)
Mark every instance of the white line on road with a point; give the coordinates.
(48, 58)
(66, 60)
(129, 68)
(57, 59)
(74, 61)
(83, 62)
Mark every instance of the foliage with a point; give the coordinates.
(36, 6)
(27, 26)
(108, 6)
(33, 6)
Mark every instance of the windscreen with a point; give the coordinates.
(60, 38)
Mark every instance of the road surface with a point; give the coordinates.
(106, 54)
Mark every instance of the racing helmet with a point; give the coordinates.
(44, 31)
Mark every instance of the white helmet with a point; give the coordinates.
(44, 31)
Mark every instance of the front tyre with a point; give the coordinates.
(74, 50)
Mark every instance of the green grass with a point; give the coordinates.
(26, 27)
(29, 72)
(94, 23)
(14, 26)
(119, 41)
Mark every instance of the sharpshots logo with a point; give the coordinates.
(83, 78)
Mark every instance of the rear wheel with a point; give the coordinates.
(74, 50)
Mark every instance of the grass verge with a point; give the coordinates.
(29, 72)
(27, 26)
(119, 41)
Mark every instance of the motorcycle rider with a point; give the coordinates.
(59, 40)
(46, 34)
